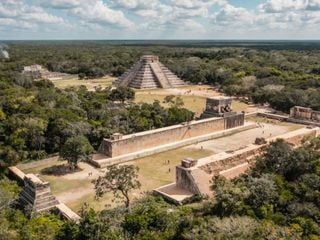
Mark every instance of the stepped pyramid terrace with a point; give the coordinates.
(37, 194)
(149, 72)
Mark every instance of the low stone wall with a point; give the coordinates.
(46, 201)
(184, 178)
(303, 113)
(150, 139)
(101, 163)
(249, 153)
(237, 162)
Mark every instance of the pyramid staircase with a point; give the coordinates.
(149, 73)
(37, 194)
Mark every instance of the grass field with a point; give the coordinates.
(90, 84)
(195, 104)
(194, 101)
(154, 172)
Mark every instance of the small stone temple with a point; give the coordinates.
(218, 107)
(149, 72)
(306, 114)
(37, 195)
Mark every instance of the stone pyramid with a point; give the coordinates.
(37, 195)
(149, 72)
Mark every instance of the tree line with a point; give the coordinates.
(37, 120)
(282, 77)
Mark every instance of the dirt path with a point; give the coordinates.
(75, 194)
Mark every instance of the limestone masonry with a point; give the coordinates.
(149, 72)
(218, 107)
(195, 176)
(306, 114)
(37, 194)
(119, 145)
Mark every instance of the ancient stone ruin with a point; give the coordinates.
(149, 72)
(38, 72)
(36, 195)
(305, 114)
(194, 177)
(218, 107)
(121, 148)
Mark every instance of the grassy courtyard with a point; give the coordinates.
(77, 188)
(90, 84)
(194, 103)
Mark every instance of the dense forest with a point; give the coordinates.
(280, 73)
(37, 119)
(278, 199)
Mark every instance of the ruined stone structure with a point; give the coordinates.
(195, 176)
(119, 145)
(37, 194)
(38, 72)
(305, 114)
(218, 107)
(149, 72)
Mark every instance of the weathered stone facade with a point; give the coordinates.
(121, 145)
(218, 107)
(37, 195)
(197, 178)
(306, 114)
(149, 72)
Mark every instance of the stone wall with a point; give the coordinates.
(185, 180)
(154, 138)
(238, 161)
(249, 153)
(303, 113)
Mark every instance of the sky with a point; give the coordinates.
(159, 19)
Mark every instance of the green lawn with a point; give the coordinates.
(153, 173)
(90, 84)
(195, 104)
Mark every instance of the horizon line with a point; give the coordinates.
(66, 39)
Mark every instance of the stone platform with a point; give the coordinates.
(100, 162)
(195, 175)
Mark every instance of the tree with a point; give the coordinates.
(173, 101)
(120, 179)
(8, 193)
(122, 94)
(76, 149)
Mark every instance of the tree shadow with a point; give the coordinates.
(59, 170)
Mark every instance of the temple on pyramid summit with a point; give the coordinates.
(149, 72)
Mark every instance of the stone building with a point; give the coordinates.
(218, 107)
(305, 114)
(149, 72)
(36, 195)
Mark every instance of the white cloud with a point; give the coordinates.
(61, 4)
(197, 3)
(93, 11)
(168, 18)
(99, 12)
(135, 4)
(230, 15)
(17, 14)
(277, 6)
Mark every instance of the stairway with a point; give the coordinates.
(202, 180)
(149, 73)
(161, 77)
